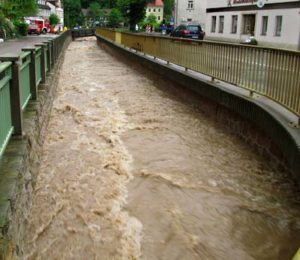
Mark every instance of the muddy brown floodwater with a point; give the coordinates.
(130, 171)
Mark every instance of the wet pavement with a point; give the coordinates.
(130, 170)
(14, 47)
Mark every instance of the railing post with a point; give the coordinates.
(43, 65)
(15, 95)
(51, 53)
(48, 55)
(33, 85)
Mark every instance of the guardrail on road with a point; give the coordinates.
(270, 72)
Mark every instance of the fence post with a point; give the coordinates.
(15, 96)
(33, 85)
(43, 66)
(51, 52)
(48, 54)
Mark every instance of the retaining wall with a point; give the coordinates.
(259, 125)
(20, 161)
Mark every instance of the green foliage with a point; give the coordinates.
(7, 27)
(72, 13)
(95, 11)
(16, 10)
(168, 7)
(54, 19)
(115, 18)
(133, 10)
(21, 27)
(151, 19)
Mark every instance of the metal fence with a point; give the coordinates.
(38, 62)
(20, 77)
(83, 32)
(270, 72)
(25, 78)
(6, 127)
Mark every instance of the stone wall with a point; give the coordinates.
(19, 167)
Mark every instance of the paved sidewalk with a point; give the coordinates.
(15, 46)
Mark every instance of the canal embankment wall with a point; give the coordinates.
(261, 126)
(36, 76)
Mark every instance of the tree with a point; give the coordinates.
(16, 10)
(168, 7)
(151, 19)
(54, 19)
(115, 17)
(95, 11)
(72, 13)
(133, 10)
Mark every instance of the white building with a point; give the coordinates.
(156, 8)
(190, 11)
(273, 23)
(47, 7)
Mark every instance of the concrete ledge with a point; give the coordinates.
(259, 125)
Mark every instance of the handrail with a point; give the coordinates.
(273, 73)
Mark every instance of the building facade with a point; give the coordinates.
(273, 23)
(47, 7)
(156, 8)
(190, 11)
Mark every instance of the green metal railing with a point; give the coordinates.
(46, 58)
(38, 64)
(20, 76)
(6, 127)
(274, 73)
(25, 78)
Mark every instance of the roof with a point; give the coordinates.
(155, 3)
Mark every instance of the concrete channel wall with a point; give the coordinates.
(259, 125)
(31, 79)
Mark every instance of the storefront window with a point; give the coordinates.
(213, 23)
(221, 24)
(278, 25)
(234, 22)
(249, 24)
(264, 26)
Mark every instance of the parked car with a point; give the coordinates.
(193, 31)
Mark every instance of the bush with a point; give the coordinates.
(7, 28)
(54, 19)
(21, 27)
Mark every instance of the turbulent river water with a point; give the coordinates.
(132, 171)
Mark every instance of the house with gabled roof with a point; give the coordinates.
(155, 7)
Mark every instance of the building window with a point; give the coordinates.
(159, 10)
(221, 24)
(234, 21)
(189, 19)
(278, 25)
(264, 25)
(190, 4)
(213, 23)
(158, 18)
(153, 10)
(149, 9)
(249, 24)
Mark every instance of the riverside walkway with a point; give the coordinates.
(132, 169)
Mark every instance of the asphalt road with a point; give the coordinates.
(15, 46)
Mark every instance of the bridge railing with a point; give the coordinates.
(270, 72)
(20, 78)
(6, 127)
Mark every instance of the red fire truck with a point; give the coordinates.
(37, 25)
